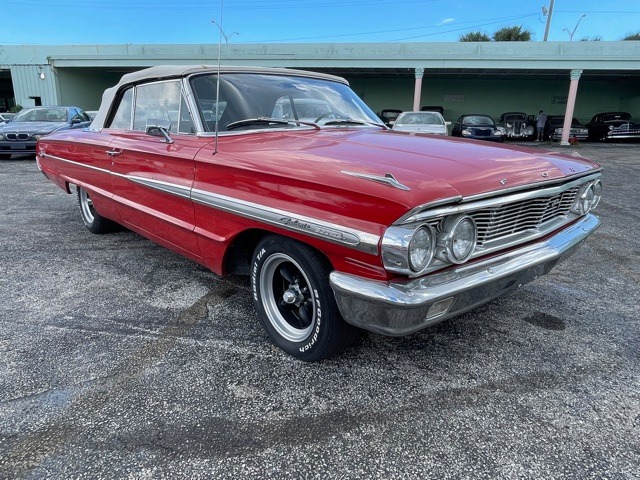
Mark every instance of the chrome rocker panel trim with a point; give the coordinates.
(399, 308)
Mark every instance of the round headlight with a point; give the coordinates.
(421, 248)
(457, 240)
(1, 137)
(38, 136)
(588, 198)
(466, 132)
(597, 193)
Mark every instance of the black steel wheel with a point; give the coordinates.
(294, 301)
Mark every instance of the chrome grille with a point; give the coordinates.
(517, 127)
(518, 217)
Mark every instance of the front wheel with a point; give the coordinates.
(294, 301)
(94, 222)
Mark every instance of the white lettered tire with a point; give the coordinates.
(294, 301)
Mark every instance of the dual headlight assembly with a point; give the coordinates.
(410, 249)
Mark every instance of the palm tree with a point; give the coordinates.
(512, 34)
(633, 36)
(474, 37)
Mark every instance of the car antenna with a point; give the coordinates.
(220, 33)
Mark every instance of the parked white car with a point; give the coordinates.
(421, 122)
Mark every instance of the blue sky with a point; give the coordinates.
(49, 22)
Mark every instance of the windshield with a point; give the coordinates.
(477, 120)
(41, 115)
(422, 118)
(615, 117)
(246, 96)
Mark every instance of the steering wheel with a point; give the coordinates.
(326, 114)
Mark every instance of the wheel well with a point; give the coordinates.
(239, 255)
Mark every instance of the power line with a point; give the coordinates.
(398, 30)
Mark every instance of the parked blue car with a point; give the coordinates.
(19, 134)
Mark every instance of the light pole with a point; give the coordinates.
(574, 28)
(548, 14)
(226, 37)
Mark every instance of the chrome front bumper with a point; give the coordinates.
(400, 308)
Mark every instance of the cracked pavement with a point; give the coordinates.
(120, 359)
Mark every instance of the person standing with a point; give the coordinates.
(541, 119)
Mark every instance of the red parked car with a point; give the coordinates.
(340, 223)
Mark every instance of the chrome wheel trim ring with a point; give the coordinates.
(86, 204)
(271, 299)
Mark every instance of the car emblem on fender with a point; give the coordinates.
(503, 181)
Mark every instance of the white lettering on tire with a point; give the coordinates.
(254, 273)
(316, 331)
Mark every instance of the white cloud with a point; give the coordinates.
(447, 20)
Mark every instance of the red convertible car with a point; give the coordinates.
(341, 223)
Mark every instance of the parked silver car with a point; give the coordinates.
(518, 125)
(422, 122)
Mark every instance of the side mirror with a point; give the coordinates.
(75, 121)
(447, 123)
(156, 127)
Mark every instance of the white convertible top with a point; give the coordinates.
(162, 72)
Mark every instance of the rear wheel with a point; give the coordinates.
(94, 222)
(294, 300)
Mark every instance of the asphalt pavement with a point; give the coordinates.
(120, 359)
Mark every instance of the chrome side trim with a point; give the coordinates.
(331, 232)
(388, 179)
(171, 188)
(78, 164)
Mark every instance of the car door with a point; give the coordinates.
(153, 175)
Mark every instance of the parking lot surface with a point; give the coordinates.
(120, 359)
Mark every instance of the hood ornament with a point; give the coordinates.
(388, 179)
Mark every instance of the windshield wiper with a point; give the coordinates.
(269, 121)
(350, 121)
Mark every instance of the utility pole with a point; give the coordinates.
(548, 13)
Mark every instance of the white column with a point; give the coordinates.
(418, 89)
(571, 103)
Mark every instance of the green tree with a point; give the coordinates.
(474, 37)
(512, 34)
(632, 36)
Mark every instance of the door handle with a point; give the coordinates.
(114, 153)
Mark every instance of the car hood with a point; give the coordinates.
(427, 168)
(32, 127)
